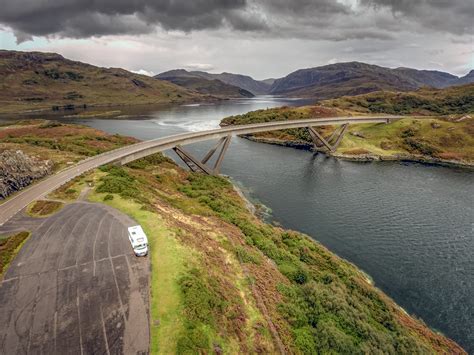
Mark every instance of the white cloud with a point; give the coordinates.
(143, 72)
(199, 66)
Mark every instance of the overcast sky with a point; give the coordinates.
(261, 38)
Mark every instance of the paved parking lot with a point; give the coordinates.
(76, 287)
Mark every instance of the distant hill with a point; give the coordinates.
(36, 81)
(354, 78)
(425, 101)
(432, 78)
(467, 79)
(242, 81)
(268, 81)
(204, 86)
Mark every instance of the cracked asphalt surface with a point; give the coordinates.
(75, 287)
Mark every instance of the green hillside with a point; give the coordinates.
(39, 81)
(425, 101)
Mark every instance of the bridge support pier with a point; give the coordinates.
(316, 137)
(200, 165)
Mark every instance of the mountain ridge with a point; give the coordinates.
(245, 82)
(204, 85)
(354, 78)
(335, 80)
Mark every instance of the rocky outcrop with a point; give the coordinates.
(18, 170)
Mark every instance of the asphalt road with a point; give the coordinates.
(76, 287)
(129, 153)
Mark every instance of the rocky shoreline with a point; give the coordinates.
(369, 157)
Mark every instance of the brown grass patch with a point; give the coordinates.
(356, 151)
(451, 156)
(321, 111)
(44, 208)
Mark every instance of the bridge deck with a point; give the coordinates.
(142, 149)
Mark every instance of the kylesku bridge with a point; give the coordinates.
(139, 150)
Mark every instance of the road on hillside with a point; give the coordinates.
(129, 153)
(76, 287)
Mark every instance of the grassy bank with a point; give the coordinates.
(434, 138)
(224, 280)
(9, 247)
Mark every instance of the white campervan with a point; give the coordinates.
(138, 240)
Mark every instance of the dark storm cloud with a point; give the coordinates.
(453, 16)
(318, 19)
(84, 18)
(304, 7)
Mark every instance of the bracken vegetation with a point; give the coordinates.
(238, 272)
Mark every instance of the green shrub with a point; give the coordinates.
(420, 146)
(201, 305)
(247, 256)
(150, 160)
(408, 132)
(294, 272)
(198, 298)
(118, 181)
(305, 340)
(108, 197)
(195, 341)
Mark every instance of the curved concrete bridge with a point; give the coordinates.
(139, 150)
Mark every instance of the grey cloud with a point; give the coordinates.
(304, 7)
(85, 18)
(453, 16)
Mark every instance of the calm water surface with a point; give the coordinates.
(409, 226)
